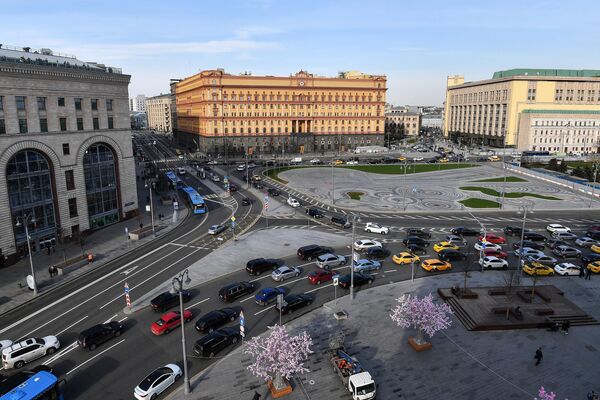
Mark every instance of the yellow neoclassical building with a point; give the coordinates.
(222, 113)
(529, 109)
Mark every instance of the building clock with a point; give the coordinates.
(301, 82)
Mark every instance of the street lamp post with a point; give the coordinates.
(332, 183)
(594, 184)
(524, 208)
(25, 220)
(149, 186)
(404, 185)
(355, 219)
(177, 283)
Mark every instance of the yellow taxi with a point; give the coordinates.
(594, 267)
(595, 248)
(444, 246)
(494, 158)
(405, 258)
(535, 268)
(435, 265)
(401, 158)
(443, 160)
(337, 162)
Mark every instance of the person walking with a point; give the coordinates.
(565, 327)
(588, 274)
(256, 396)
(581, 271)
(538, 356)
(51, 271)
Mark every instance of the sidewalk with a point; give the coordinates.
(105, 244)
(461, 365)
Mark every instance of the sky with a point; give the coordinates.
(417, 44)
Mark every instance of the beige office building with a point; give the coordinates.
(529, 109)
(158, 109)
(399, 119)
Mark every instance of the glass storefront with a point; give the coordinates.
(101, 185)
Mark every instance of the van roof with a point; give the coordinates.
(361, 379)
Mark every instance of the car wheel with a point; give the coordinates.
(370, 281)
(318, 282)
(212, 354)
(187, 320)
(51, 350)
(92, 347)
(210, 330)
(19, 364)
(117, 333)
(167, 330)
(177, 377)
(309, 258)
(297, 274)
(232, 318)
(343, 262)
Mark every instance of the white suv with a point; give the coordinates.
(293, 202)
(17, 355)
(376, 228)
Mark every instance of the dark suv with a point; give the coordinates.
(211, 344)
(312, 251)
(341, 222)
(418, 232)
(314, 212)
(260, 265)
(98, 334)
(167, 300)
(235, 290)
(274, 192)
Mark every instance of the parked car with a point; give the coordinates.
(495, 253)
(557, 228)
(24, 351)
(444, 246)
(312, 251)
(456, 240)
(463, 231)
(211, 344)
(216, 229)
(585, 241)
(415, 240)
(267, 295)
(293, 302)
(314, 212)
(595, 248)
(417, 232)
(169, 321)
(534, 237)
(316, 161)
(377, 253)
(329, 260)
(528, 243)
(259, 265)
(435, 265)
(216, 318)
(528, 251)
(341, 221)
(594, 267)
(241, 168)
(480, 246)
(561, 235)
(589, 258)
(366, 265)
(157, 382)
(567, 269)
(567, 252)
(538, 269)
(594, 235)
(492, 238)
(98, 334)
(274, 192)
(493, 263)
(513, 230)
(360, 279)
(451, 255)
(405, 258)
(552, 243)
(416, 249)
(167, 300)
(372, 227)
(284, 272)
(319, 276)
(235, 290)
(365, 244)
(293, 202)
(542, 259)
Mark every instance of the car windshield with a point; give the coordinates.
(365, 389)
(160, 322)
(150, 379)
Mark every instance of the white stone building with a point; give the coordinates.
(159, 113)
(138, 103)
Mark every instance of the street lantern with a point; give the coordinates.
(177, 283)
(25, 221)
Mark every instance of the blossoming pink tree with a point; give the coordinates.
(422, 314)
(278, 355)
(544, 395)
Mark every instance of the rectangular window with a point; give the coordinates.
(43, 125)
(96, 124)
(61, 101)
(20, 102)
(109, 104)
(95, 104)
(70, 179)
(63, 124)
(78, 104)
(72, 207)
(531, 94)
(2, 127)
(1, 103)
(110, 123)
(41, 103)
(79, 124)
(66, 149)
(22, 125)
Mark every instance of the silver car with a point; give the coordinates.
(567, 252)
(543, 259)
(456, 240)
(285, 272)
(329, 260)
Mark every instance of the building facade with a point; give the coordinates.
(158, 109)
(65, 149)
(529, 109)
(233, 114)
(434, 121)
(138, 103)
(402, 121)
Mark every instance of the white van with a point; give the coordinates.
(181, 171)
(19, 354)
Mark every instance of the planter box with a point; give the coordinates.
(279, 393)
(419, 347)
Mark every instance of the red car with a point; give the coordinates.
(167, 322)
(491, 238)
(319, 276)
(495, 253)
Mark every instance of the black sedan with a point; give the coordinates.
(463, 231)
(215, 319)
(416, 249)
(528, 243)
(214, 342)
(293, 302)
(415, 240)
(246, 201)
(418, 233)
(274, 192)
(589, 258)
(451, 255)
(377, 253)
(534, 237)
(513, 230)
(167, 300)
(359, 279)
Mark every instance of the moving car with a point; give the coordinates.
(98, 334)
(257, 266)
(493, 263)
(316, 161)
(352, 162)
(537, 269)
(372, 227)
(417, 232)
(214, 342)
(326, 261)
(433, 264)
(444, 246)
(293, 302)
(565, 269)
(585, 241)
(267, 295)
(567, 252)
(157, 382)
(246, 201)
(319, 276)
(216, 229)
(284, 272)
(216, 318)
(479, 246)
(513, 230)
(274, 192)
(293, 202)
(366, 265)
(312, 251)
(241, 167)
(451, 255)
(557, 228)
(167, 300)
(463, 231)
(456, 240)
(378, 253)
(405, 258)
(180, 171)
(564, 235)
(314, 212)
(23, 351)
(341, 221)
(364, 244)
(169, 321)
(235, 290)
(491, 238)
(360, 279)
(530, 244)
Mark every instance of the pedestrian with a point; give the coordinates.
(141, 225)
(90, 258)
(581, 272)
(54, 270)
(538, 356)
(256, 396)
(565, 327)
(50, 271)
(588, 274)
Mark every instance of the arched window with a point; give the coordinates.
(101, 186)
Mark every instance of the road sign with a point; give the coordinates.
(233, 218)
(336, 280)
(175, 206)
(242, 321)
(127, 298)
(148, 207)
(279, 301)
(266, 201)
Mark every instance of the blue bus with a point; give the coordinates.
(196, 201)
(30, 385)
(176, 182)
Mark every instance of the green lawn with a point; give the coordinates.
(508, 195)
(355, 195)
(501, 179)
(479, 203)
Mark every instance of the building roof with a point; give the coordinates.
(546, 72)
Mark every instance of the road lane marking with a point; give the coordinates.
(246, 299)
(122, 319)
(110, 319)
(129, 270)
(200, 302)
(70, 326)
(318, 288)
(96, 356)
(61, 353)
(263, 310)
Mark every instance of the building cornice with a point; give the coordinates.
(42, 72)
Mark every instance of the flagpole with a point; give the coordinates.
(242, 329)
(267, 208)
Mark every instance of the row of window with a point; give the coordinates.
(492, 95)
(298, 114)
(562, 122)
(293, 97)
(564, 140)
(287, 131)
(486, 118)
(21, 103)
(62, 122)
(579, 149)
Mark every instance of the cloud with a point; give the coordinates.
(252, 31)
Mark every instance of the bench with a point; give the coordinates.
(542, 295)
(544, 311)
(499, 310)
(524, 295)
(138, 234)
(71, 265)
(497, 292)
